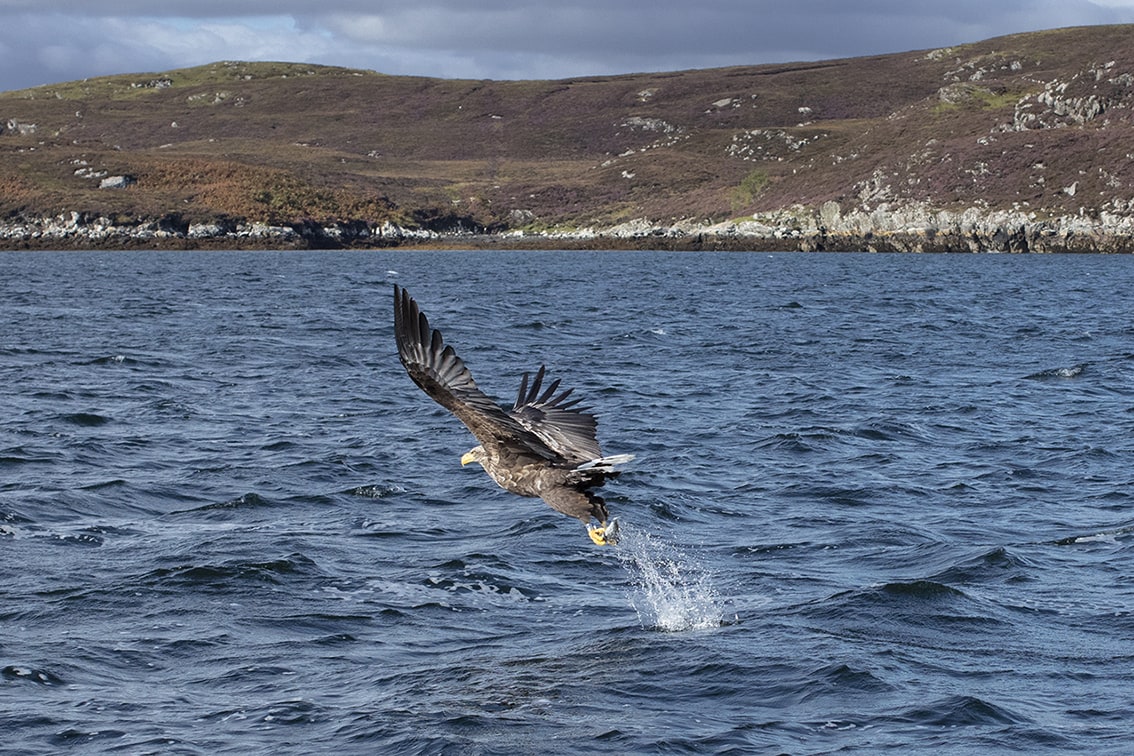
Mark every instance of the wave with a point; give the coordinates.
(1073, 371)
(85, 419)
(959, 711)
(31, 675)
(839, 678)
(231, 576)
(376, 491)
(245, 501)
(1112, 535)
(916, 591)
(919, 613)
(997, 564)
(112, 359)
(16, 456)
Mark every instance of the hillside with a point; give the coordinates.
(1017, 143)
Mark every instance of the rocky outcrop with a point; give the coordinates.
(22, 128)
(1083, 97)
(117, 182)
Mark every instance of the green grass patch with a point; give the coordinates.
(750, 188)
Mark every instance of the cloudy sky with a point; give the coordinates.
(46, 41)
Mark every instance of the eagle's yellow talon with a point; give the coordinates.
(605, 534)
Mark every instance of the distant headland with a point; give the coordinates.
(1016, 144)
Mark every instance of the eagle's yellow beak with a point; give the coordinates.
(467, 457)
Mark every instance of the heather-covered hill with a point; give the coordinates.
(1020, 142)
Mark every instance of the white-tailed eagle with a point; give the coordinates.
(544, 446)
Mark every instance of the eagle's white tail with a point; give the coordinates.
(606, 464)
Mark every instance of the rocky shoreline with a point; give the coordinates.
(906, 228)
(76, 230)
(885, 228)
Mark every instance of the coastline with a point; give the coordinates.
(911, 228)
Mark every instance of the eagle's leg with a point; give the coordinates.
(606, 533)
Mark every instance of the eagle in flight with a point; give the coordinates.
(544, 446)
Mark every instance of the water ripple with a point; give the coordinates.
(862, 518)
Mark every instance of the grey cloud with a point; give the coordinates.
(43, 41)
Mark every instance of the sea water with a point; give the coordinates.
(879, 503)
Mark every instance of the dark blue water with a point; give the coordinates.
(880, 504)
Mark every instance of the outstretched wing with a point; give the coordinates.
(437, 369)
(569, 430)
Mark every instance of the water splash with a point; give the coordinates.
(672, 591)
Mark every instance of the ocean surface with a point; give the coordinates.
(880, 504)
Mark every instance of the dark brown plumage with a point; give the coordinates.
(544, 446)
